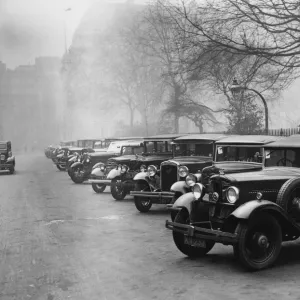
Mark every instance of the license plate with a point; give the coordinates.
(194, 242)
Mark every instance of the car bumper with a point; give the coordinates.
(156, 197)
(102, 181)
(6, 166)
(226, 238)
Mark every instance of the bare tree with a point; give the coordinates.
(265, 28)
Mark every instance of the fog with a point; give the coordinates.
(38, 107)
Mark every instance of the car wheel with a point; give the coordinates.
(60, 167)
(259, 242)
(182, 217)
(98, 187)
(142, 204)
(289, 198)
(78, 175)
(117, 189)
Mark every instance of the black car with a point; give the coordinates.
(164, 184)
(253, 211)
(7, 160)
(119, 173)
(81, 171)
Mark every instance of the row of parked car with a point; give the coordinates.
(239, 190)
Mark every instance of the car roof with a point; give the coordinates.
(249, 139)
(292, 141)
(201, 136)
(162, 137)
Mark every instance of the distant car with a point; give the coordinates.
(252, 211)
(7, 160)
(119, 173)
(81, 171)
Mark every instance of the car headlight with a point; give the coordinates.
(102, 167)
(152, 170)
(190, 180)
(87, 160)
(119, 167)
(232, 194)
(143, 168)
(183, 171)
(124, 169)
(197, 190)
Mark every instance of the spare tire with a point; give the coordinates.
(289, 198)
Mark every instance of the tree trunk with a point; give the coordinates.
(131, 116)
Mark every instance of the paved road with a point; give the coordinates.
(62, 241)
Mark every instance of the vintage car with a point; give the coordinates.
(64, 154)
(7, 160)
(234, 153)
(80, 171)
(164, 184)
(252, 211)
(100, 176)
(123, 169)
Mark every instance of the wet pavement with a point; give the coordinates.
(59, 240)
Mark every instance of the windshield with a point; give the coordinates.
(98, 145)
(282, 157)
(238, 153)
(129, 150)
(89, 144)
(161, 147)
(194, 150)
(114, 147)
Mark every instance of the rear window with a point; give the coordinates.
(194, 150)
(282, 157)
(234, 153)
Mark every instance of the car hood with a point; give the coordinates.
(123, 158)
(188, 160)
(272, 173)
(150, 158)
(103, 154)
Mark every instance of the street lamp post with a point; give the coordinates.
(236, 89)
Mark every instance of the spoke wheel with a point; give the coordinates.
(117, 189)
(78, 175)
(142, 204)
(259, 242)
(98, 187)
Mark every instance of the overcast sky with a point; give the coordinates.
(31, 28)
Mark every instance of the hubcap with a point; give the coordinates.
(296, 203)
(263, 241)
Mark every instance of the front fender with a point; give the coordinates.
(180, 186)
(11, 159)
(77, 164)
(184, 201)
(72, 159)
(98, 172)
(246, 210)
(113, 174)
(141, 176)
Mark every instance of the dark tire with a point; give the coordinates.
(182, 217)
(12, 170)
(77, 177)
(255, 256)
(289, 198)
(60, 168)
(174, 212)
(141, 203)
(117, 189)
(98, 187)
